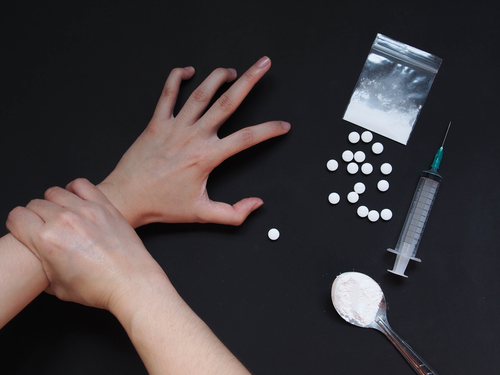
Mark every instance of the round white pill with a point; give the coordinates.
(367, 168)
(377, 148)
(354, 137)
(334, 198)
(359, 156)
(347, 156)
(373, 216)
(332, 165)
(363, 211)
(386, 214)
(386, 168)
(359, 188)
(352, 168)
(273, 234)
(367, 136)
(383, 185)
(353, 197)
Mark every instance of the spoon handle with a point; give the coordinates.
(415, 361)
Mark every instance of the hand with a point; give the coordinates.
(89, 252)
(163, 176)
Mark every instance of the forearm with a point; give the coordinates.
(21, 277)
(169, 336)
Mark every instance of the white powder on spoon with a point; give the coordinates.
(356, 297)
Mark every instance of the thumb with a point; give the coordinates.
(223, 213)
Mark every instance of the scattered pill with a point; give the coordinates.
(377, 148)
(367, 136)
(332, 165)
(386, 168)
(352, 168)
(359, 188)
(273, 234)
(373, 216)
(359, 156)
(353, 197)
(334, 198)
(383, 185)
(363, 211)
(367, 168)
(347, 156)
(354, 137)
(386, 214)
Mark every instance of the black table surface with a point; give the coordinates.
(79, 82)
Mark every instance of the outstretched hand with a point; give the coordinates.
(163, 175)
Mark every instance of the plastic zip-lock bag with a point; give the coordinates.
(392, 88)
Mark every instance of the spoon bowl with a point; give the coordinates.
(359, 300)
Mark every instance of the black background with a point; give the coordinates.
(79, 82)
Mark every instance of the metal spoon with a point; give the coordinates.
(380, 323)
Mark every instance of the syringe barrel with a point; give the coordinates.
(417, 216)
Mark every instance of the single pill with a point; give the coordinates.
(367, 168)
(359, 188)
(334, 198)
(359, 156)
(363, 211)
(353, 197)
(386, 168)
(373, 216)
(332, 165)
(386, 214)
(383, 185)
(347, 156)
(352, 168)
(354, 137)
(377, 148)
(273, 234)
(367, 136)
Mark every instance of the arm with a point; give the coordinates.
(162, 177)
(92, 256)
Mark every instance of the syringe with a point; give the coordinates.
(417, 216)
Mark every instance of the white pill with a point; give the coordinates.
(334, 198)
(386, 214)
(347, 156)
(273, 234)
(354, 137)
(383, 185)
(377, 148)
(386, 168)
(359, 156)
(373, 216)
(359, 188)
(352, 168)
(367, 168)
(332, 165)
(353, 197)
(367, 136)
(363, 211)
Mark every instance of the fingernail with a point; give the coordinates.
(285, 125)
(263, 62)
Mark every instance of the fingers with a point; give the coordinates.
(165, 107)
(248, 137)
(232, 98)
(223, 213)
(201, 97)
(23, 224)
(85, 190)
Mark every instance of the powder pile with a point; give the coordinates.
(356, 297)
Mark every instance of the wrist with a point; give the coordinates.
(123, 201)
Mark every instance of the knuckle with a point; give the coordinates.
(247, 137)
(225, 103)
(168, 91)
(200, 96)
(249, 75)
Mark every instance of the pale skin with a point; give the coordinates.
(163, 176)
(92, 256)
